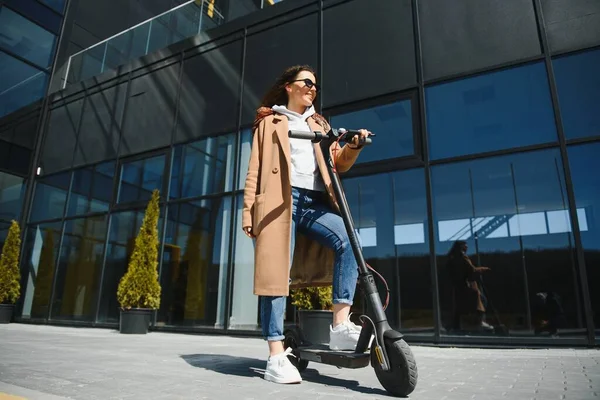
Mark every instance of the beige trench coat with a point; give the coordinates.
(268, 209)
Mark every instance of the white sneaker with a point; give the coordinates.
(344, 336)
(281, 370)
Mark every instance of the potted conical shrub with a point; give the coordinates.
(314, 308)
(10, 288)
(139, 290)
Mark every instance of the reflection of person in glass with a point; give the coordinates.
(287, 189)
(467, 292)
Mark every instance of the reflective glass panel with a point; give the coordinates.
(92, 189)
(25, 38)
(139, 178)
(585, 164)
(510, 211)
(203, 167)
(390, 215)
(392, 125)
(50, 196)
(578, 85)
(194, 267)
(495, 111)
(38, 262)
(79, 268)
(21, 84)
(12, 190)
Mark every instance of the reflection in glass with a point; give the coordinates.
(578, 85)
(203, 167)
(50, 196)
(194, 267)
(12, 189)
(79, 268)
(25, 38)
(21, 84)
(392, 123)
(139, 178)
(390, 214)
(246, 148)
(244, 304)
(585, 165)
(37, 266)
(124, 227)
(510, 211)
(499, 110)
(92, 189)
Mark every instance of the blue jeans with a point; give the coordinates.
(313, 217)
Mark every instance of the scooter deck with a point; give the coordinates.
(345, 359)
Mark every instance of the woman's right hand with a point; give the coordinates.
(248, 231)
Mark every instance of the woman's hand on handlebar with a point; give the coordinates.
(248, 231)
(359, 140)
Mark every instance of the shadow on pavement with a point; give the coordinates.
(253, 368)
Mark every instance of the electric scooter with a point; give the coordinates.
(390, 356)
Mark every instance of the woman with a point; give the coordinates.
(288, 189)
(468, 299)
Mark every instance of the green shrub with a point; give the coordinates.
(10, 276)
(139, 287)
(312, 298)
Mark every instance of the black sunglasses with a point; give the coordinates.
(309, 84)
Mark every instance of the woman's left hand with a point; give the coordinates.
(358, 141)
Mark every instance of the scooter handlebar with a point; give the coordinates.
(317, 136)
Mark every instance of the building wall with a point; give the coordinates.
(486, 125)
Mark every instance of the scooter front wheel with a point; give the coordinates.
(401, 379)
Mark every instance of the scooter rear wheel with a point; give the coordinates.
(293, 340)
(402, 377)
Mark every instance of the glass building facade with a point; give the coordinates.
(28, 37)
(491, 137)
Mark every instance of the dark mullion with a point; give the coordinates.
(428, 184)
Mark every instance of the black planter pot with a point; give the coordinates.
(6, 313)
(315, 325)
(135, 320)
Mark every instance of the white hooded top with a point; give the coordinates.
(305, 171)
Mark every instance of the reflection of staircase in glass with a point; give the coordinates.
(480, 227)
(490, 226)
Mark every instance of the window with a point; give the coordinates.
(50, 196)
(79, 268)
(500, 110)
(21, 84)
(578, 85)
(391, 123)
(92, 189)
(39, 256)
(390, 214)
(511, 212)
(12, 189)
(139, 178)
(194, 267)
(585, 164)
(203, 167)
(26, 39)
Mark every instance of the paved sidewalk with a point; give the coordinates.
(47, 362)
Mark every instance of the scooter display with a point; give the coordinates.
(389, 355)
